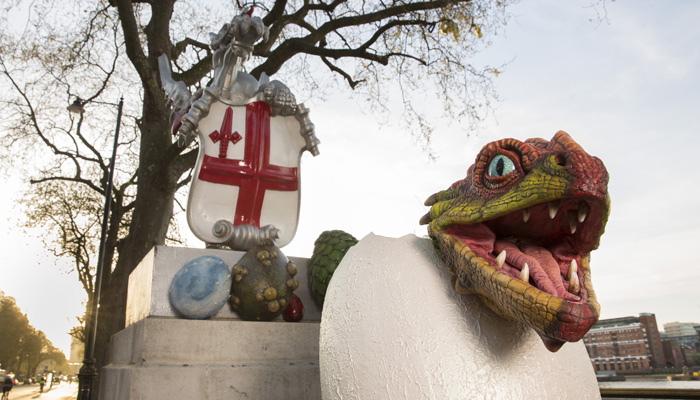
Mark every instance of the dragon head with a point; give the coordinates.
(519, 229)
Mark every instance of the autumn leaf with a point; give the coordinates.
(477, 30)
(449, 26)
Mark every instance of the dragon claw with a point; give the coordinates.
(431, 200)
(425, 220)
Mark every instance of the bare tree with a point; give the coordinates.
(79, 331)
(99, 49)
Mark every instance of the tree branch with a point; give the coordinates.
(181, 46)
(309, 44)
(344, 74)
(75, 179)
(132, 40)
(196, 72)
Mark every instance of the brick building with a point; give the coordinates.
(626, 345)
(673, 354)
(682, 342)
(656, 349)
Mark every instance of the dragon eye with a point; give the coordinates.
(500, 166)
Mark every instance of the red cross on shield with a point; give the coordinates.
(247, 171)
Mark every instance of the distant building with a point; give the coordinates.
(681, 328)
(628, 344)
(77, 349)
(681, 351)
(673, 353)
(45, 366)
(683, 339)
(620, 344)
(655, 346)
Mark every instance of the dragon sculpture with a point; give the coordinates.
(519, 229)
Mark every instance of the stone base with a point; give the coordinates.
(167, 358)
(161, 356)
(149, 283)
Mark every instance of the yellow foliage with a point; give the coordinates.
(449, 26)
(477, 30)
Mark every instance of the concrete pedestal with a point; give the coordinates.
(161, 356)
(149, 283)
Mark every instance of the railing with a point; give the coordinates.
(649, 393)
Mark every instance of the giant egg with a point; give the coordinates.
(393, 328)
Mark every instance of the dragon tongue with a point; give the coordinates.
(549, 264)
(545, 270)
(516, 257)
(548, 261)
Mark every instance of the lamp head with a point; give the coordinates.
(76, 107)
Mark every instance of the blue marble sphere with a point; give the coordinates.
(201, 287)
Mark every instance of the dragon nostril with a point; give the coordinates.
(560, 159)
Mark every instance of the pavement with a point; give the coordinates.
(59, 391)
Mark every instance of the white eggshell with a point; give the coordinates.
(393, 328)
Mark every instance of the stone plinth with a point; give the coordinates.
(149, 283)
(166, 358)
(161, 356)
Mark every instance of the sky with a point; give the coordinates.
(626, 89)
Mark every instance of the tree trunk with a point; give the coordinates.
(19, 362)
(156, 184)
(30, 373)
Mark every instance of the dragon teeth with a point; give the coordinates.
(501, 259)
(582, 211)
(574, 286)
(525, 273)
(526, 214)
(572, 221)
(573, 269)
(553, 208)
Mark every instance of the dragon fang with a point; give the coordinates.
(519, 229)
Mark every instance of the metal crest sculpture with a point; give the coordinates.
(251, 136)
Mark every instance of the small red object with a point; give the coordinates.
(295, 310)
(177, 121)
(224, 134)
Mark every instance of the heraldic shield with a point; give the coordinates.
(251, 134)
(247, 171)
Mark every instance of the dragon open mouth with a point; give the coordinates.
(518, 232)
(545, 246)
(540, 245)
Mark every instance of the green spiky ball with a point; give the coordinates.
(329, 250)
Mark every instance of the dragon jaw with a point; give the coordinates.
(524, 247)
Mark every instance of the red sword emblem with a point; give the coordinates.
(224, 134)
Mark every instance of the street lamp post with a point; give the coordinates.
(88, 371)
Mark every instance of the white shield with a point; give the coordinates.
(247, 171)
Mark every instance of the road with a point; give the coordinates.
(63, 391)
